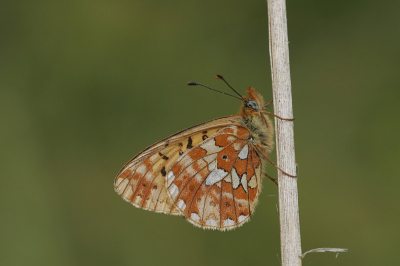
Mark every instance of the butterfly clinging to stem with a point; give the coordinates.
(210, 173)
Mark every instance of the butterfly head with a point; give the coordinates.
(252, 103)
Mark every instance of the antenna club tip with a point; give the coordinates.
(191, 83)
(218, 77)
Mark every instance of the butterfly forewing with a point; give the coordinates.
(142, 180)
(143, 184)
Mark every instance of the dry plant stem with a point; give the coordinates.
(288, 194)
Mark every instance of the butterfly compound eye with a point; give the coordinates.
(252, 105)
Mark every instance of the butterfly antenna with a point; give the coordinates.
(191, 83)
(221, 77)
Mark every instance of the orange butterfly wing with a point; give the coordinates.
(210, 173)
(216, 184)
(142, 180)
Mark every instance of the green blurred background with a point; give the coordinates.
(86, 85)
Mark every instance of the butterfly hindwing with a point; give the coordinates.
(210, 184)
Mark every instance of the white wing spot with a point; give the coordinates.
(153, 158)
(244, 182)
(148, 176)
(195, 217)
(215, 176)
(170, 178)
(231, 138)
(181, 205)
(211, 147)
(236, 146)
(173, 189)
(242, 218)
(253, 182)
(191, 171)
(210, 158)
(212, 165)
(229, 222)
(244, 152)
(228, 178)
(235, 179)
(142, 169)
(211, 222)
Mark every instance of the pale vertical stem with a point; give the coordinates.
(288, 194)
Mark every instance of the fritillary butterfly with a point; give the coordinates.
(210, 173)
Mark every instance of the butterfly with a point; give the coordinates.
(210, 173)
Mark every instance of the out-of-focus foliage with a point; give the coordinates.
(86, 85)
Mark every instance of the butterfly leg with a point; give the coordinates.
(269, 160)
(272, 179)
(287, 119)
(265, 106)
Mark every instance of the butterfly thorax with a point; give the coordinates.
(259, 125)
